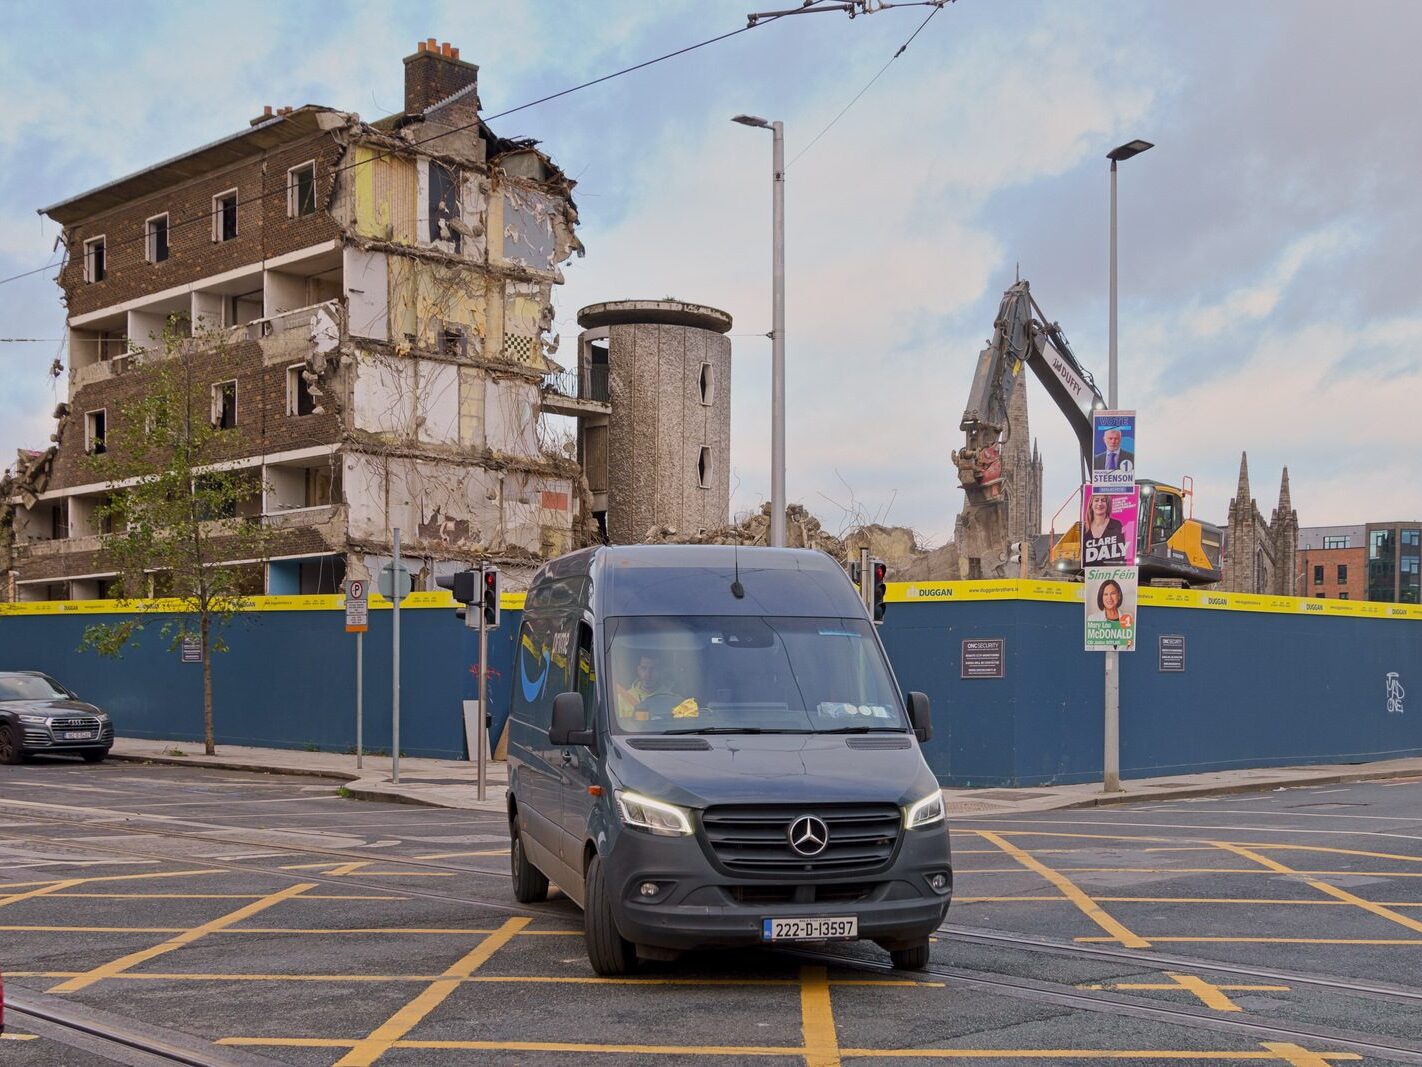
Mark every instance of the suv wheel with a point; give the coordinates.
(911, 957)
(608, 951)
(530, 885)
(10, 751)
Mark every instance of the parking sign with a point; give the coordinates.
(357, 607)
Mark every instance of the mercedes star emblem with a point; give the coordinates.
(808, 835)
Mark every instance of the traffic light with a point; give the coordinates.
(464, 585)
(880, 570)
(490, 583)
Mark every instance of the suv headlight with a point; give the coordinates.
(668, 820)
(34, 720)
(925, 812)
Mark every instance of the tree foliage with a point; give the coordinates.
(178, 511)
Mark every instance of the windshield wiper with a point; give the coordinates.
(735, 730)
(864, 730)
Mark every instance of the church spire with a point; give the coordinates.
(1286, 505)
(1241, 493)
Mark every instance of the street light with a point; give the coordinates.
(777, 330)
(1111, 772)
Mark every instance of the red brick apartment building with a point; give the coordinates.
(369, 302)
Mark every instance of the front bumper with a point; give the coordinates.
(35, 737)
(700, 906)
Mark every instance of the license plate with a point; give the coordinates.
(77, 735)
(809, 929)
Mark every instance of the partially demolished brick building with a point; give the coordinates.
(371, 302)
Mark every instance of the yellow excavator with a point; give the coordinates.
(1173, 546)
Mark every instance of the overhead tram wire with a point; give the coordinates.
(845, 110)
(206, 219)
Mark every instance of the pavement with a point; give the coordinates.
(440, 783)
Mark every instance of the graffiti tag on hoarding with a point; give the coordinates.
(1395, 693)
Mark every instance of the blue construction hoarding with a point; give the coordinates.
(1236, 684)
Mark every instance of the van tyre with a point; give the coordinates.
(10, 751)
(530, 885)
(608, 951)
(912, 958)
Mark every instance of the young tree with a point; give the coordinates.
(176, 511)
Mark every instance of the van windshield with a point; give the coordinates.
(743, 674)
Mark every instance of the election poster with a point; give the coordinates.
(1111, 608)
(1108, 526)
(1113, 451)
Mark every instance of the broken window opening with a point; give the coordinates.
(301, 190)
(445, 224)
(703, 468)
(95, 426)
(323, 486)
(224, 405)
(452, 342)
(156, 238)
(299, 398)
(224, 216)
(94, 259)
(704, 384)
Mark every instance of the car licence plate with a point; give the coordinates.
(77, 735)
(809, 929)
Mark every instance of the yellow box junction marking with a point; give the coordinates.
(53, 887)
(817, 1019)
(383, 1037)
(1071, 891)
(1323, 887)
(1209, 994)
(187, 937)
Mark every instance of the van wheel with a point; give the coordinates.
(608, 951)
(912, 958)
(530, 885)
(10, 751)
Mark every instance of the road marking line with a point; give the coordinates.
(1071, 891)
(123, 877)
(53, 887)
(1212, 995)
(1275, 1052)
(1331, 890)
(1272, 940)
(393, 930)
(19, 1037)
(187, 937)
(817, 1018)
(380, 1040)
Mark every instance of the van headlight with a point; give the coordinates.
(644, 813)
(925, 812)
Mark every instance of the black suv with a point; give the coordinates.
(37, 714)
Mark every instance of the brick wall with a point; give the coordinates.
(1355, 559)
(263, 227)
(263, 426)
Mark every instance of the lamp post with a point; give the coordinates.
(777, 330)
(1111, 774)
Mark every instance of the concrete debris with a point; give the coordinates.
(802, 530)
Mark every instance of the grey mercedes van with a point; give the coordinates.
(707, 747)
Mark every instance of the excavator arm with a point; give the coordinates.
(1021, 336)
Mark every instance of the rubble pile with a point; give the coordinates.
(802, 530)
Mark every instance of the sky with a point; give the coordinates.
(1270, 243)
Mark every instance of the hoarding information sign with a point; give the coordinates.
(983, 657)
(1172, 652)
(191, 650)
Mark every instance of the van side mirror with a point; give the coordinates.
(568, 718)
(920, 716)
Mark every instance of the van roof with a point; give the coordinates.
(696, 580)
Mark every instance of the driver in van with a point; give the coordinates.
(648, 684)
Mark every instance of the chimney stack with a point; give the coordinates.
(435, 72)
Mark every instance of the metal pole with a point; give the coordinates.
(866, 581)
(777, 353)
(360, 700)
(395, 660)
(1111, 776)
(481, 726)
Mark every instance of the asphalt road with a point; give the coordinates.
(267, 918)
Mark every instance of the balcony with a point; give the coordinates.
(577, 393)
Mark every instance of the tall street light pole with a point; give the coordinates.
(777, 331)
(1111, 776)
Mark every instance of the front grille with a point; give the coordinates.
(831, 893)
(75, 722)
(35, 736)
(106, 735)
(755, 838)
